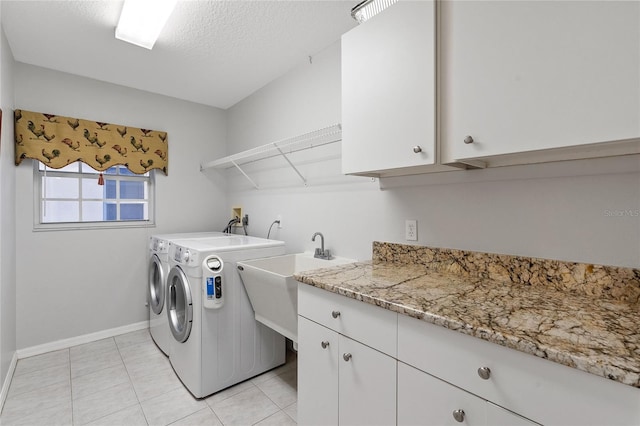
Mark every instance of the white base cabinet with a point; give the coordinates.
(359, 364)
(342, 381)
(540, 390)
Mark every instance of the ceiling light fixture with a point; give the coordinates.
(367, 9)
(142, 20)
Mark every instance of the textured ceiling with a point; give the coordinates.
(211, 52)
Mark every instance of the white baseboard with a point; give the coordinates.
(7, 380)
(79, 340)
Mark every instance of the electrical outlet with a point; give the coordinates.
(279, 219)
(411, 230)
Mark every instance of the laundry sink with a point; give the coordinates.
(274, 293)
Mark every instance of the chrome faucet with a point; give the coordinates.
(321, 253)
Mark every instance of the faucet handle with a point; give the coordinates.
(322, 254)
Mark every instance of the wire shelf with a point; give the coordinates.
(281, 148)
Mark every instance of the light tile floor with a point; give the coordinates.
(126, 380)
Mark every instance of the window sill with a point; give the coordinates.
(77, 226)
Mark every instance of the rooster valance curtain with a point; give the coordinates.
(58, 141)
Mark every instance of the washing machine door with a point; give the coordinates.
(179, 304)
(156, 285)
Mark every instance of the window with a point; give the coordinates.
(71, 197)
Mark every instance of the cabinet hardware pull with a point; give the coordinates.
(346, 357)
(458, 415)
(417, 149)
(484, 372)
(335, 314)
(324, 344)
(468, 140)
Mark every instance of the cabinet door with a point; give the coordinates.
(388, 87)
(426, 400)
(367, 385)
(317, 374)
(529, 75)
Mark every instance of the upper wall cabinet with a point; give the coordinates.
(388, 92)
(531, 81)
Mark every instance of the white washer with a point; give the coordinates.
(216, 340)
(157, 277)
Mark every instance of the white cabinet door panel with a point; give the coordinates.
(388, 90)
(367, 385)
(528, 75)
(317, 374)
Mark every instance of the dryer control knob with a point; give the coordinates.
(186, 256)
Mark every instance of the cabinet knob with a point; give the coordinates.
(468, 140)
(324, 344)
(484, 372)
(346, 357)
(417, 149)
(458, 415)
(335, 314)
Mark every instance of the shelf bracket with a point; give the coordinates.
(290, 163)
(245, 175)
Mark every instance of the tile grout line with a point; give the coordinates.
(206, 407)
(131, 381)
(38, 369)
(274, 402)
(285, 409)
(270, 415)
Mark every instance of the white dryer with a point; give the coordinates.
(157, 277)
(216, 340)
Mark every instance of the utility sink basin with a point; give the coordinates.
(274, 293)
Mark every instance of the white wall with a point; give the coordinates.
(517, 210)
(72, 283)
(305, 99)
(7, 212)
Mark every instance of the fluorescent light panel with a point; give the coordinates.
(142, 20)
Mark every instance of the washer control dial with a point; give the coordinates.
(214, 264)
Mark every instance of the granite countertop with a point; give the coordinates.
(582, 316)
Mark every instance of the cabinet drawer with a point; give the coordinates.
(538, 389)
(368, 324)
(426, 400)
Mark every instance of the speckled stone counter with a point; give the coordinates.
(583, 316)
